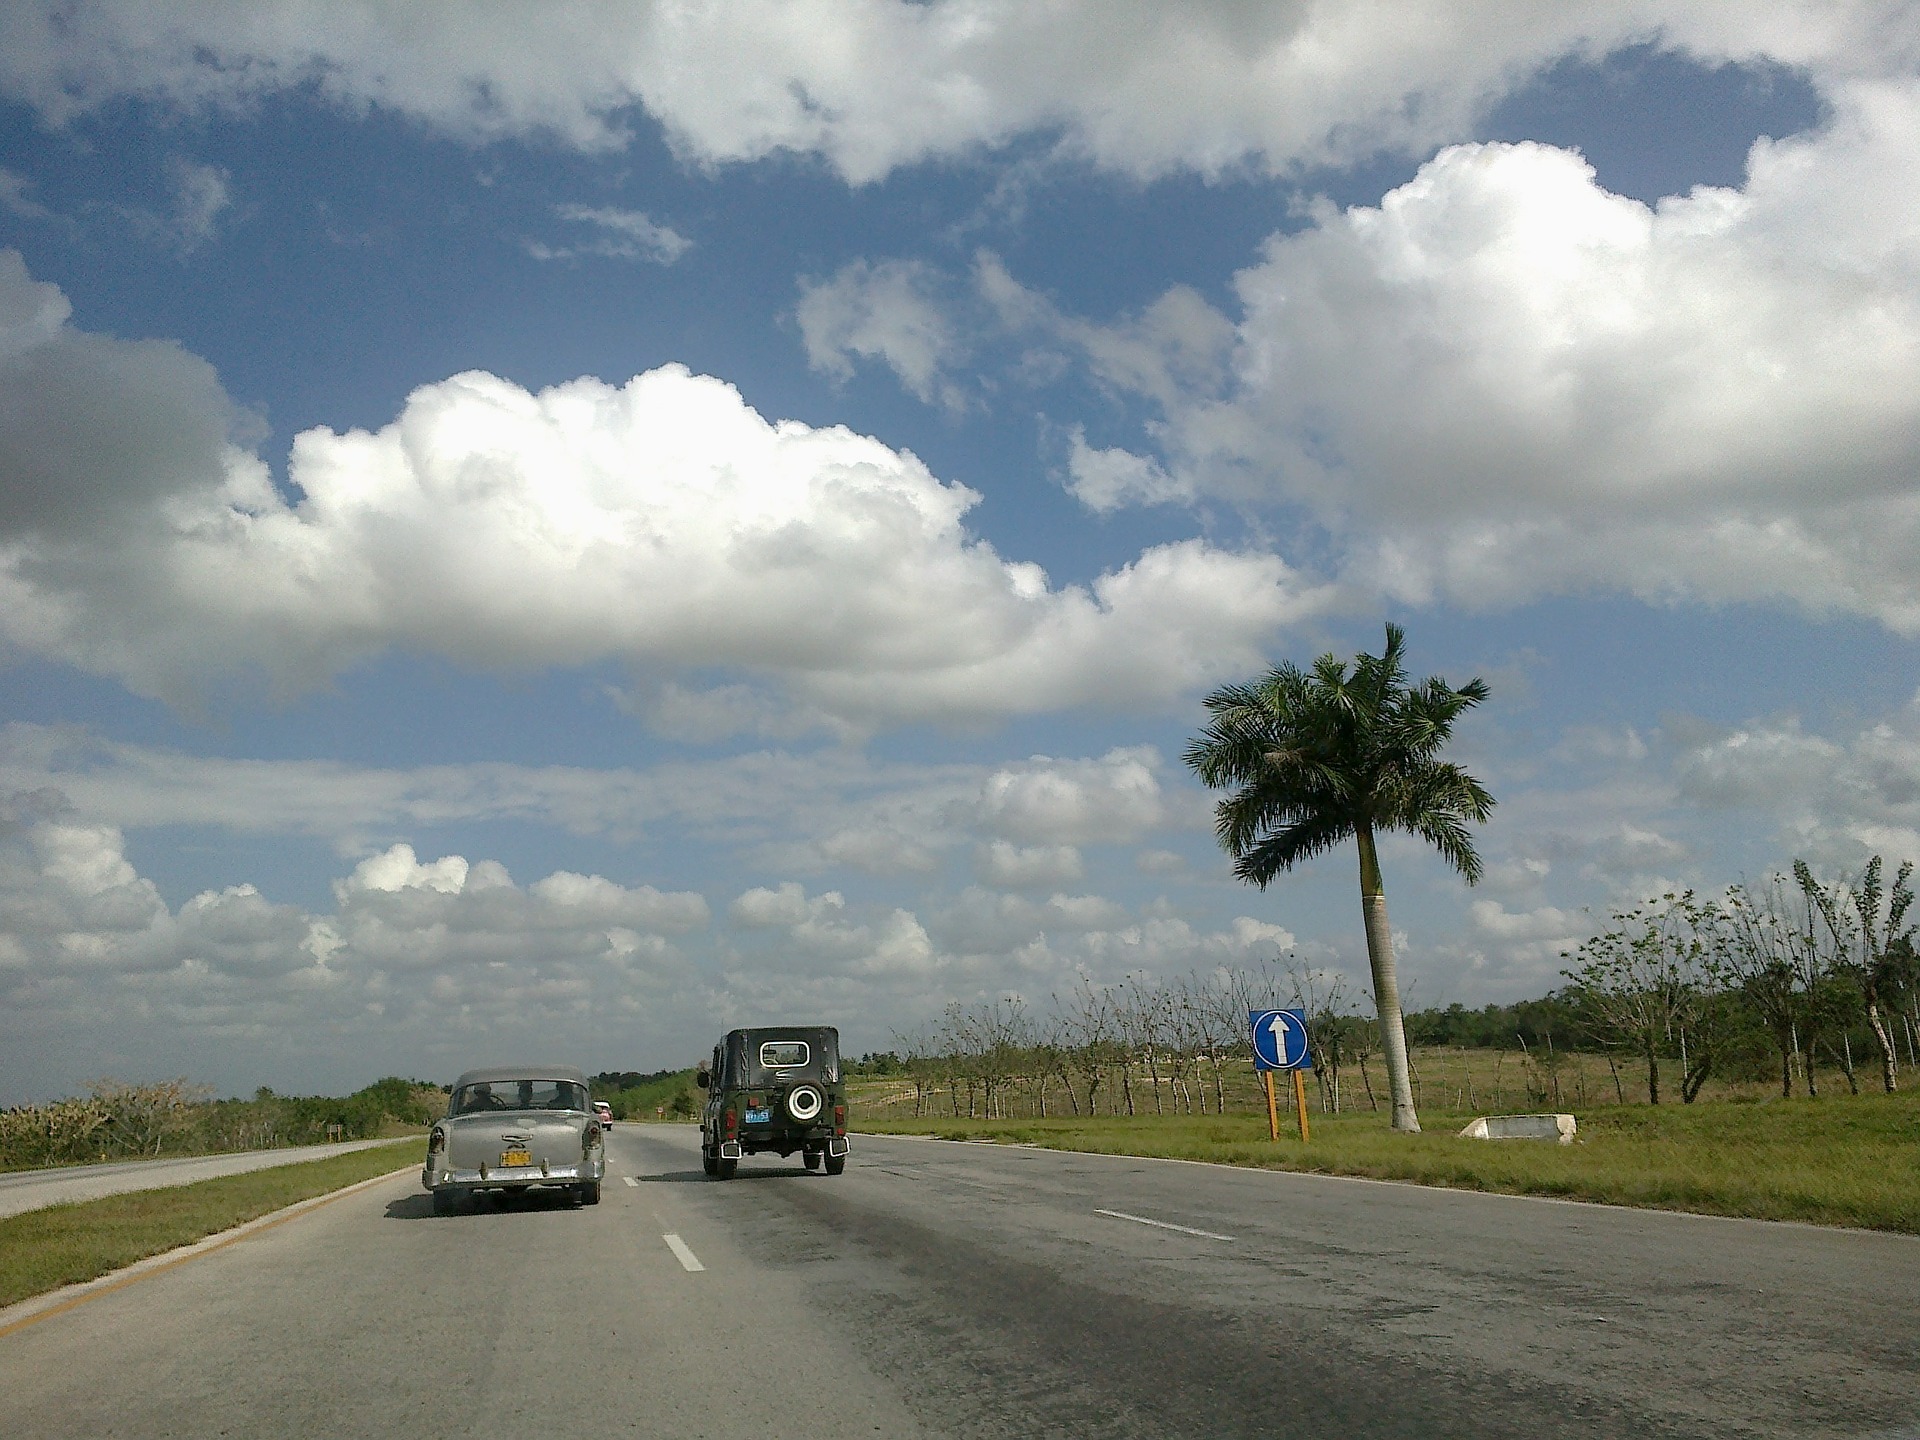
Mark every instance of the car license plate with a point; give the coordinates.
(759, 1117)
(515, 1157)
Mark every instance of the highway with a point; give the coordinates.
(940, 1289)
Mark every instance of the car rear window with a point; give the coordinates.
(519, 1095)
(779, 1054)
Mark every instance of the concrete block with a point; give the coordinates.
(1521, 1127)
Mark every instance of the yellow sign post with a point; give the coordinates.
(1273, 1114)
(1299, 1100)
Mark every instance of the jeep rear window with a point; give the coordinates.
(779, 1054)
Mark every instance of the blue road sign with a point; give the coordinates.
(1279, 1039)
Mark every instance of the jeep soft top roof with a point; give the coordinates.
(741, 1046)
(521, 1072)
(785, 1032)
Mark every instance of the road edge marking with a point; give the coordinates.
(688, 1260)
(1164, 1225)
(35, 1308)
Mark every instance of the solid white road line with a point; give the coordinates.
(631, 1181)
(1163, 1225)
(688, 1260)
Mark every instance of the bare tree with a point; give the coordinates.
(916, 1050)
(1093, 1028)
(1137, 1013)
(1763, 956)
(1006, 1035)
(1209, 1004)
(1645, 979)
(1185, 1044)
(1052, 1048)
(1323, 999)
(1867, 942)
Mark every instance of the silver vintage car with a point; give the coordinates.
(514, 1127)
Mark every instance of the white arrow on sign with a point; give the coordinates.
(1278, 1024)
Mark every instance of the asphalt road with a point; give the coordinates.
(962, 1290)
(30, 1189)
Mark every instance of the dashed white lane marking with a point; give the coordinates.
(631, 1181)
(1162, 1225)
(688, 1260)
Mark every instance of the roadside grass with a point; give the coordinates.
(44, 1249)
(1838, 1160)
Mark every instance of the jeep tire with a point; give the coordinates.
(812, 1157)
(836, 1164)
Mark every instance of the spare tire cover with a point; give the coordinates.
(804, 1102)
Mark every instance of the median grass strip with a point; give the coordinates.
(1840, 1160)
(42, 1250)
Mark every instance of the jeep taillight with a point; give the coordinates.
(437, 1141)
(730, 1121)
(839, 1119)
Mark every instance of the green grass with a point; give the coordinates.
(44, 1249)
(1838, 1160)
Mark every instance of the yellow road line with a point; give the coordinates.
(155, 1265)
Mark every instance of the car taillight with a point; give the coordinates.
(437, 1141)
(839, 1119)
(730, 1121)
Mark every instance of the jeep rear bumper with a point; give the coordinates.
(835, 1145)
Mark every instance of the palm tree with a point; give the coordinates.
(1317, 757)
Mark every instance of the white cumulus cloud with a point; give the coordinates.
(662, 522)
(1504, 381)
(1074, 802)
(1007, 866)
(871, 85)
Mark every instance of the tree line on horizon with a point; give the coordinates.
(1763, 985)
(115, 1120)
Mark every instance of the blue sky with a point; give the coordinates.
(559, 539)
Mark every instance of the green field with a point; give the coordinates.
(42, 1250)
(1838, 1160)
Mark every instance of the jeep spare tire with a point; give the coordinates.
(804, 1102)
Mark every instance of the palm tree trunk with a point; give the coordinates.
(1386, 984)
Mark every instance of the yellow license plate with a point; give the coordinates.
(515, 1157)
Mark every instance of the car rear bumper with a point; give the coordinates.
(511, 1177)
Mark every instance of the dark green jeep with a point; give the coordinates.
(774, 1088)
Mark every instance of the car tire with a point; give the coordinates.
(836, 1164)
(590, 1193)
(709, 1162)
(443, 1202)
(813, 1158)
(724, 1169)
